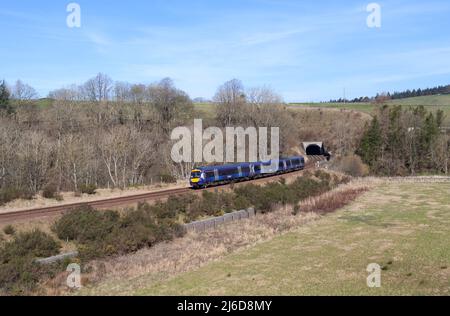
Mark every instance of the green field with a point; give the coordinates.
(362, 107)
(403, 227)
(433, 103)
(432, 100)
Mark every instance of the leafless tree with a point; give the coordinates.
(138, 93)
(169, 103)
(70, 93)
(23, 92)
(230, 98)
(98, 89)
(122, 91)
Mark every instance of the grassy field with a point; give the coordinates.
(432, 100)
(434, 103)
(404, 227)
(362, 107)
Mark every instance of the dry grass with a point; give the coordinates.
(332, 201)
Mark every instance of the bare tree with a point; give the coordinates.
(230, 97)
(23, 92)
(169, 102)
(138, 93)
(122, 91)
(71, 93)
(98, 89)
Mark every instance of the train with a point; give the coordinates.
(204, 177)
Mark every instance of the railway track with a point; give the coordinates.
(57, 210)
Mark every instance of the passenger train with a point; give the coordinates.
(216, 175)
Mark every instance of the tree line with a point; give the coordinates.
(386, 96)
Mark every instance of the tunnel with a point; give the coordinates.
(314, 150)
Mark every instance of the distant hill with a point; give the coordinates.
(429, 100)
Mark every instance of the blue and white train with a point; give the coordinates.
(216, 175)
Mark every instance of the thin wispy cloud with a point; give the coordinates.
(305, 50)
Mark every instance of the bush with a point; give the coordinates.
(36, 244)
(90, 189)
(8, 194)
(86, 224)
(101, 234)
(19, 273)
(167, 178)
(9, 230)
(352, 165)
(50, 191)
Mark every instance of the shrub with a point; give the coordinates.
(9, 230)
(101, 234)
(36, 244)
(8, 194)
(167, 178)
(50, 191)
(352, 165)
(90, 189)
(18, 271)
(86, 224)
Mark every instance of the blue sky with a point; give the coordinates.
(304, 50)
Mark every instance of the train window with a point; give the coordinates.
(258, 168)
(246, 170)
(228, 172)
(210, 174)
(196, 174)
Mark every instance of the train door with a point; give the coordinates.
(216, 175)
(252, 171)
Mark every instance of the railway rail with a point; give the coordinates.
(52, 211)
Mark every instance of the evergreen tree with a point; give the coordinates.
(4, 98)
(370, 147)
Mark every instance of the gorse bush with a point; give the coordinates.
(8, 194)
(167, 178)
(86, 224)
(90, 189)
(101, 234)
(267, 198)
(36, 244)
(50, 191)
(19, 273)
